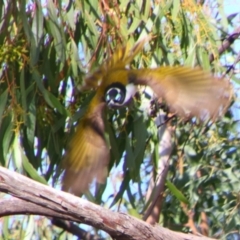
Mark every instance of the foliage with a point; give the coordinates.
(46, 49)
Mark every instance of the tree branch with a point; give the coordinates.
(74, 229)
(227, 43)
(36, 198)
(156, 188)
(15, 206)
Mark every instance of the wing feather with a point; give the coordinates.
(87, 155)
(188, 92)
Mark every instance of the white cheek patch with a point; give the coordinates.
(131, 89)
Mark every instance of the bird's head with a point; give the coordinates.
(120, 91)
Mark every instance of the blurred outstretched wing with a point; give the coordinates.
(187, 91)
(87, 155)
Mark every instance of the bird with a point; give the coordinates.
(188, 92)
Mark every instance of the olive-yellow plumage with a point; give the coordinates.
(188, 92)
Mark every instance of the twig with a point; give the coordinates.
(227, 43)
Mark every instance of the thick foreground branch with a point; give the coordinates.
(36, 198)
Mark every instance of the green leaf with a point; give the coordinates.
(5, 230)
(29, 229)
(57, 104)
(131, 197)
(115, 153)
(56, 30)
(139, 135)
(21, 161)
(203, 58)
(48, 96)
(176, 9)
(37, 24)
(3, 101)
(146, 10)
(178, 194)
(7, 127)
(31, 122)
(27, 166)
(17, 153)
(24, 18)
(190, 60)
(136, 22)
(74, 58)
(122, 189)
(190, 151)
(129, 157)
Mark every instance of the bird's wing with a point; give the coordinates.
(87, 155)
(187, 91)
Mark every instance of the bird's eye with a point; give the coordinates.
(115, 94)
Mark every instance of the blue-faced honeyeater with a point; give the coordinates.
(188, 92)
